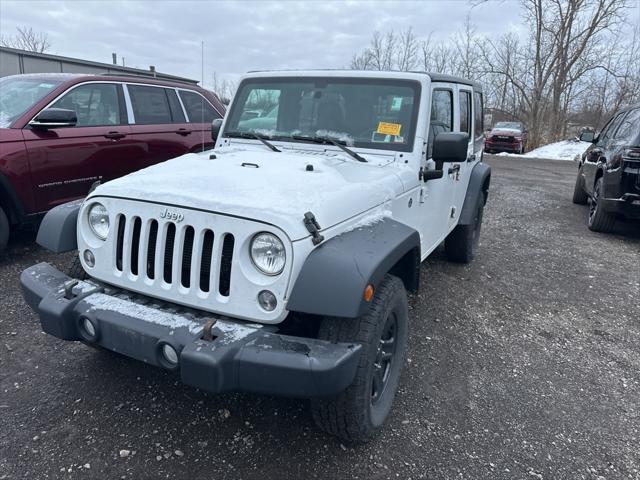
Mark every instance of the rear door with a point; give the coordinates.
(200, 114)
(65, 162)
(462, 171)
(159, 126)
(598, 154)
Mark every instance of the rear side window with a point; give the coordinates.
(199, 110)
(478, 114)
(95, 104)
(630, 127)
(151, 105)
(465, 112)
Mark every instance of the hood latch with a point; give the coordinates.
(313, 227)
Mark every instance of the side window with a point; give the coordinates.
(199, 110)
(629, 127)
(441, 116)
(150, 105)
(609, 130)
(465, 113)
(478, 114)
(177, 114)
(95, 104)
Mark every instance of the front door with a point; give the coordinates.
(462, 170)
(437, 196)
(65, 162)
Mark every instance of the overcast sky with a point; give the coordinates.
(239, 36)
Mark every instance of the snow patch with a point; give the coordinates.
(567, 150)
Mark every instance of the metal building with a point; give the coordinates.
(14, 61)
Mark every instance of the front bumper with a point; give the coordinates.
(241, 356)
(627, 206)
(501, 147)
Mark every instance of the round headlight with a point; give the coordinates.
(267, 253)
(99, 220)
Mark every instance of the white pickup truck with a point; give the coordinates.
(279, 262)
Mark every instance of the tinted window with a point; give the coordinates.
(478, 114)
(150, 105)
(441, 116)
(199, 110)
(609, 130)
(465, 112)
(630, 127)
(177, 114)
(94, 103)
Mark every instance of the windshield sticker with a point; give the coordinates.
(389, 128)
(396, 104)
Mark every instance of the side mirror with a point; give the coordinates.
(215, 128)
(587, 137)
(54, 118)
(450, 147)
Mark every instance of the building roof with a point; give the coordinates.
(105, 68)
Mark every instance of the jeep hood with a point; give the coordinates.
(276, 188)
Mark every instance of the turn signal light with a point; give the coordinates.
(368, 293)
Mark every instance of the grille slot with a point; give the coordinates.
(120, 242)
(135, 244)
(168, 252)
(205, 260)
(151, 249)
(187, 254)
(225, 265)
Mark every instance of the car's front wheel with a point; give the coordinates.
(580, 197)
(599, 220)
(358, 413)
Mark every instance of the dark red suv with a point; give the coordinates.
(60, 133)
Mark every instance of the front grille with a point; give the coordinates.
(175, 253)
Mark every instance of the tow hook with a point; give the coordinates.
(207, 336)
(68, 288)
(313, 227)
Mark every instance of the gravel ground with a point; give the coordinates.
(524, 364)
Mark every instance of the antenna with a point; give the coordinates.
(202, 85)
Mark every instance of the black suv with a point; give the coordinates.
(609, 172)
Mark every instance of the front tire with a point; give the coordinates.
(462, 243)
(75, 270)
(580, 197)
(599, 220)
(4, 230)
(358, 413)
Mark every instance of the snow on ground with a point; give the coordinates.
(564, 150)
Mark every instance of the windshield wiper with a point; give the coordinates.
(337, 143)
(255, 136)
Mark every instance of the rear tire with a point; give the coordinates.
(75, 270)
(580, 197)
(4, 230)
(461, 244)
(358, 413)
(599, 220)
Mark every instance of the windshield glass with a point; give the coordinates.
(362, 112)
(18, 94)
(509, 126)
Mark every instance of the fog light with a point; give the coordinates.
(88, 330)
(89, 258)
(170, 355)
(267, 300)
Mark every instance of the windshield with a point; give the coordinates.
(361, 112)
(19, 93)
(509, 126)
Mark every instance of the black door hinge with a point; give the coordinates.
(313, 227)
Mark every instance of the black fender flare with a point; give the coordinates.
(335, 274)
(478, 183)
(58, 229)
(10, 200)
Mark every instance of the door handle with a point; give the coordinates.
(471, 158)
(183, 131)
(454, 169)
(115, 135)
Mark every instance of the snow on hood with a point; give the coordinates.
(278, 191)
(509, 131)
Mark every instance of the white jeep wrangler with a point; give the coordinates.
(279, 261)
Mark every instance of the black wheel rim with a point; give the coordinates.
(385, 355)
(594, 201)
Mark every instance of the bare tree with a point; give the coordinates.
(27, 39)
(223, 87)
(407, 51)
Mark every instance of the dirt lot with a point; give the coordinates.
(524, 364)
